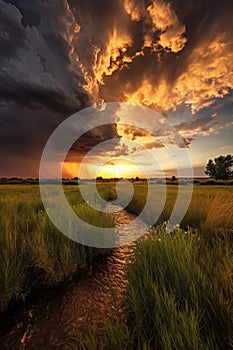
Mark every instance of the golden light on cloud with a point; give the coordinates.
(106, 62)
(208, 76)
(208, 70)
(134, 9)
(162, 15)
(134, 149)
(199, 77)
(113, 55)
(148, 94)
(164, 19)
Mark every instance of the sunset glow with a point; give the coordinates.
(120, 171)
(70, 169)
(174, 57)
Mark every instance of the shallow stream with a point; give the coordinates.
(48, 322)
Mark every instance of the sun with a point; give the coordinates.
(124, 169)
(110, 171)
(117, 171)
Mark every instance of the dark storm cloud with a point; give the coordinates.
(12, 34)
(40, 71)
(39, 85)
(19, 139)
(21, 144)
(91, 139)
(59, 56)
(23, 135)
(105, 24)
(30, 16)
(37, 96)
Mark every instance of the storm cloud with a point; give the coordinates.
(60, 56)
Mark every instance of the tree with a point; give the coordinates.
(220, 168)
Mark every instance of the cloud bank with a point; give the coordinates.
(60, 56)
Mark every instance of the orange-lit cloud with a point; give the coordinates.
(107, 61)
(208, 76)
(165, 20)
(118, 50)
(149, 94)
(162, 15)
(135, 9)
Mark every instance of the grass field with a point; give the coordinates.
(180, 285)
(180, 292)
(179, 296)
(32, 250)
(210, 210)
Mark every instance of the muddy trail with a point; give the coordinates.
(48, 322)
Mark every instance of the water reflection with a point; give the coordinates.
(48, 323)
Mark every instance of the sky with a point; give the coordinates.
(58, 57)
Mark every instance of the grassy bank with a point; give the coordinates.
(33, 252)
(180, 293)
(180, 285)
(179, 296)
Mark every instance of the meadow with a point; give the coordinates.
(179, 296)
(180, 284)
(33, 252)
(210, 209)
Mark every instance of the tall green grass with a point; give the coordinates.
(179, 296)
(180, 285)
(210, 210)
(33, 252)
(114, 335)
(180, 293)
